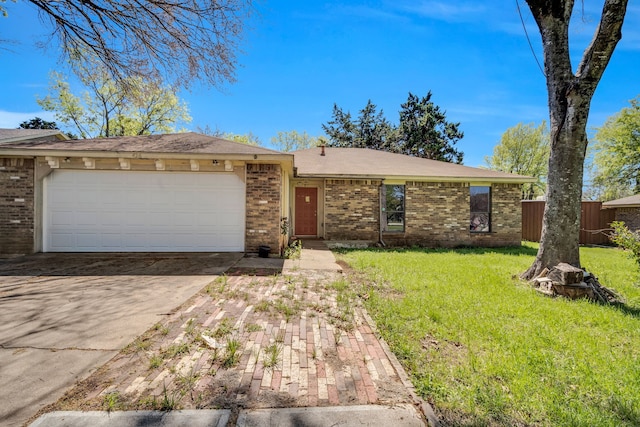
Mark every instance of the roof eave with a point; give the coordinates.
(502, 180)
(59, 136)
(631, 205)
(34, 152)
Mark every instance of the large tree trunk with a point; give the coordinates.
(569, 101)
(561, 220)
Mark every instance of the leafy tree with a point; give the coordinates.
(523, 150)
(293, 140)
(182, 40)
(247, 138)
(423, 130)
(108, 108)
(617, 155)
(569, 98)
(38, 123)
(208, 130)
(370, 130)
(626, 239)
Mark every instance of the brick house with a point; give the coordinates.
(159, 193)
(367, 196)
(627, 210)
(195, 193)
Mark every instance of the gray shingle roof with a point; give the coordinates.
(179, 143)
(625, 202)
(358, 162)
(15, 135)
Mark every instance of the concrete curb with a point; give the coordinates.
(184, 418)
(424, 406)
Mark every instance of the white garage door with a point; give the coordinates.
(127, 211)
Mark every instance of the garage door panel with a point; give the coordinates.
(86, 240)
(62, 240)
(62, 218)
(143, 211)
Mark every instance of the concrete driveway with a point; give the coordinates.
(64, 315)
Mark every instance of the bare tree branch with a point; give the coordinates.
(182, 40)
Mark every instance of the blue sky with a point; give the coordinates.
(301, 57)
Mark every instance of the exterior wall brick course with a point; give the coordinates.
(630, 217)
(263, 207)
(437, 214)
(16, 206)
(506, 218)
(352, 209)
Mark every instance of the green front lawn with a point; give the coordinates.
(486, 349)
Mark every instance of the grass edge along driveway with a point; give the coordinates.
(486, 349)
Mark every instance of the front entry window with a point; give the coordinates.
(394, 207)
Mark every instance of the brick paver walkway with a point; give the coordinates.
(300, 343)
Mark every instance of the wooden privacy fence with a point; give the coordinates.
(593, 222)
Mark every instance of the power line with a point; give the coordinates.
(524, 27)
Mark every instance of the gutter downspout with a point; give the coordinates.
(382, 203)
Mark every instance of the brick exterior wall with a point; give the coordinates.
(263, 207)
(630, 217)
(437, 214)
(352, 210)
(506, 218)
(16, 206)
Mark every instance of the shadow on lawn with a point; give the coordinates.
(629, 311)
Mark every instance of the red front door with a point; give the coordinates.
(306, 222)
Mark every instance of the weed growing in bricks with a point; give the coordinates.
(218, 286)
(170, 399)
(189, 380)
(232, 356)
(164, 330)
(174, 350)
(111, 401)
(139, 344)
(149, 402)
(272, 355)
(155, 361)
(236, 294)
(253, 327)
(288, 308)
(262, 307)
(223, 329)
(190, 327)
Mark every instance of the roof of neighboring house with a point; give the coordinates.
(363, 162)
(16, 135)
(625, 202)
(175, 145)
